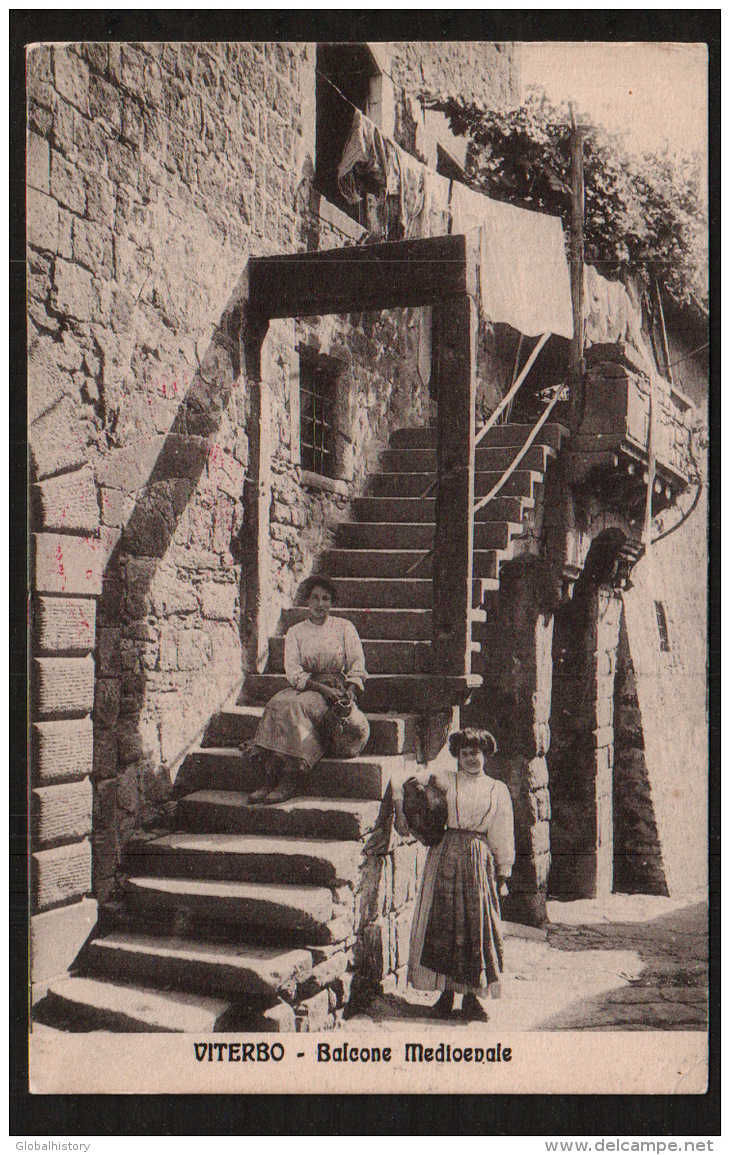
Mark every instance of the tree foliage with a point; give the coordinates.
(645, 213)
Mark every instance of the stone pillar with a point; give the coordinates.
(581, 764)
(67, 567)
(515, 704)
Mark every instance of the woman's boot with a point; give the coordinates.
(270, 777)
(289, 785)
(444, 1005)
(472, 1009)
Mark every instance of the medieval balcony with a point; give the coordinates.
(611, 446)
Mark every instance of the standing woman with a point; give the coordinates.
(456, 936)
(323, 659)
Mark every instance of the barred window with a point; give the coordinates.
(317, 384)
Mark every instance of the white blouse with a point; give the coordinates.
(332, 648)
(478, 803)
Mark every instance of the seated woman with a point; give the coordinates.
(456, 934)
(323, 659)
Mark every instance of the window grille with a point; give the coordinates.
(662, 626)
(316, 417)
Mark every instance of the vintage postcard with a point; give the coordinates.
(368, 425)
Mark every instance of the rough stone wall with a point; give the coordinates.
(672, 694)
(480, 72)
(637, 855)
(386, 901)
(154, 172)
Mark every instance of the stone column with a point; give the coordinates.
(515, 703)
(581, 766)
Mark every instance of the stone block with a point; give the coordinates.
(71, 76)
(62, 750)
(376, 947)
(110, 603)
(128, 791)
(279, 1018)
(112, 507)
(64, 685)
(316, 1011)
(194, 649)
(72, 292)
(69, 502)
(139, 574)
(403, 920)
(105, 102)
(107, 701)
(42, 221)
(62, 813)
(60, 875)
(57, 936)
(54, 437)
(92, 246)
(540, 838)
(65, 624)
(67, 184)
(63, 131)
(404, 874)
(218, 601)
(123, 163)
(96, 55)
(537, 773)
(67, 565)
(38, 163)
(99, 197)
(108, 652)
(65, 230)
(106, 756)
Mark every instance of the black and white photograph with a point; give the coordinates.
(368, 395)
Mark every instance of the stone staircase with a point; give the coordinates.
(257, 917)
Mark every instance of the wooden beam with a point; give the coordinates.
(454, 532)
(577, 257)
(394, 275)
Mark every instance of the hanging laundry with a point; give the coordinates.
(611, 313)
(364, 160)
(524, 274)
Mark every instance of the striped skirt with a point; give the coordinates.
(456, 935)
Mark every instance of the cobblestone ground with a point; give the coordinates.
(629, 963)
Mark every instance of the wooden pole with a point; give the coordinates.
(577, 255)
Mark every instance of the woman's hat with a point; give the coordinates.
(470, 736)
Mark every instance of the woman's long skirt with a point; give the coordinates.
(456, 935)
(289, 725)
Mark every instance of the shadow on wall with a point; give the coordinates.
(169, 643)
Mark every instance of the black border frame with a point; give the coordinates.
(95, 1115)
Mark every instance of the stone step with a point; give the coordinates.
(223, 768)
(511, 434)
(389, 593)
(224, 812)
(406, 693)
(244, 858)
(415, 509)
(302, 911)
(385, 563)
(487, 457)
(377, 623)
(359, 535)
(381, 657)
(207, 968)
(521, 483)
(389, 734)
(86, 1004)
(384, 593)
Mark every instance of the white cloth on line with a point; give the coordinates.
(525, 281)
